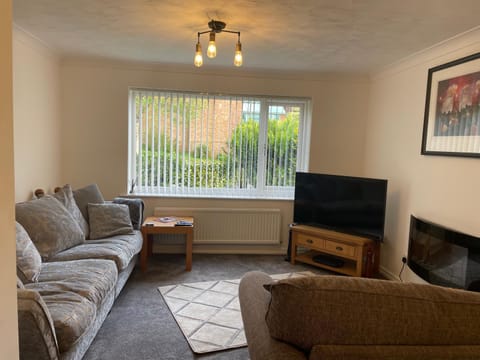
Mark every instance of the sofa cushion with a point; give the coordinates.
(89, 194)
(49, 224)
(136, 207)
(119, 248)
(310, 311)
(36, 332)
(29, 261)
(72, 314)
(65, 196)
(92, 279)
(109, 220)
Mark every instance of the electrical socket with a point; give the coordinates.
(404, 259)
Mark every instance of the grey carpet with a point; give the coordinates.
(140, 325)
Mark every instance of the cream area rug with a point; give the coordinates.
(208, 312)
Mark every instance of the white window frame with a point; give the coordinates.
(261, 191)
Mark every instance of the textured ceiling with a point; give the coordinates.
(294, 35)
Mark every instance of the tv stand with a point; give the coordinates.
(360, 255)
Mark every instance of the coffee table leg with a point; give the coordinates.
(188, 250)
(144, 253)
(149, 245)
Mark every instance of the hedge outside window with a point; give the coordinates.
(196, 144)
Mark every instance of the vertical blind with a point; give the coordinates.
(216, 145)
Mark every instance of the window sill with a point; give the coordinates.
(209, 196)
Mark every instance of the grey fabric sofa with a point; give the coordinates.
(336, 317)
(65, 292)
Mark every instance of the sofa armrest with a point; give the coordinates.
(136, 207)
(395, 352)
(37, 338)
(254, 300)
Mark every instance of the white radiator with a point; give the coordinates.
(230, 226)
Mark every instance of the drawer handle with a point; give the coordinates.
(339, 248)
(310, 241)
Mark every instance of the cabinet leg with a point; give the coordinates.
(293, 252)
(369, 262)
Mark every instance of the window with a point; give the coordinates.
(193, 144)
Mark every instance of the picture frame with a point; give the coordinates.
(451, 124)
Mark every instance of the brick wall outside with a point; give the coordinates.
(214, 125)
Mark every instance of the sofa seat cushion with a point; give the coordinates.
(72, 315)
(91, 279)
(315, 310)
(119, 248)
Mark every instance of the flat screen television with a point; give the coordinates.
(347, 204)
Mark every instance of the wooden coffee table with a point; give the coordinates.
(152, 226)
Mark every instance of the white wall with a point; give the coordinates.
(95, 121)
(36, 85)
(8, 292)
(437, 188)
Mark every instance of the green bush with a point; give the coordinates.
(237, 168)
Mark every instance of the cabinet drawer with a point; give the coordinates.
(339, 248)
(310, 241)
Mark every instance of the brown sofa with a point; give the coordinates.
(336, 317)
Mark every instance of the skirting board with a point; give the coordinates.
(388, 274)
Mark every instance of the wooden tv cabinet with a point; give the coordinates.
(360, 255)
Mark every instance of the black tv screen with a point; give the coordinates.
(342, 203)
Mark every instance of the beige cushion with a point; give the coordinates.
(49, 225)
(29, 262)
(65, 196)
(109, 220)
(394, 352)
(89, 194)
(316, 310)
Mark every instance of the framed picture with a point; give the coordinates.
(452, 109)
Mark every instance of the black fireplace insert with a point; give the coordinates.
(443, 256)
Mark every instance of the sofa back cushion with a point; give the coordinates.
(308, 311)
(136, 207)
(65, 196)
(109, 219)
(49, 225)
(29, 262)
(89, 194)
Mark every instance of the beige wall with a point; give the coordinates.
(36, 85)
(439, 189)
(95, 121)
(8, 292)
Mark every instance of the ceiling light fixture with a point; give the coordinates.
(215, 28)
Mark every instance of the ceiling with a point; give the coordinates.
(293, 35)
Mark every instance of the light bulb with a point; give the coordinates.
(198, 59)
(238, 59)
(212, 48)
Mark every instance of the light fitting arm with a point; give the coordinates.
(215, 28)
